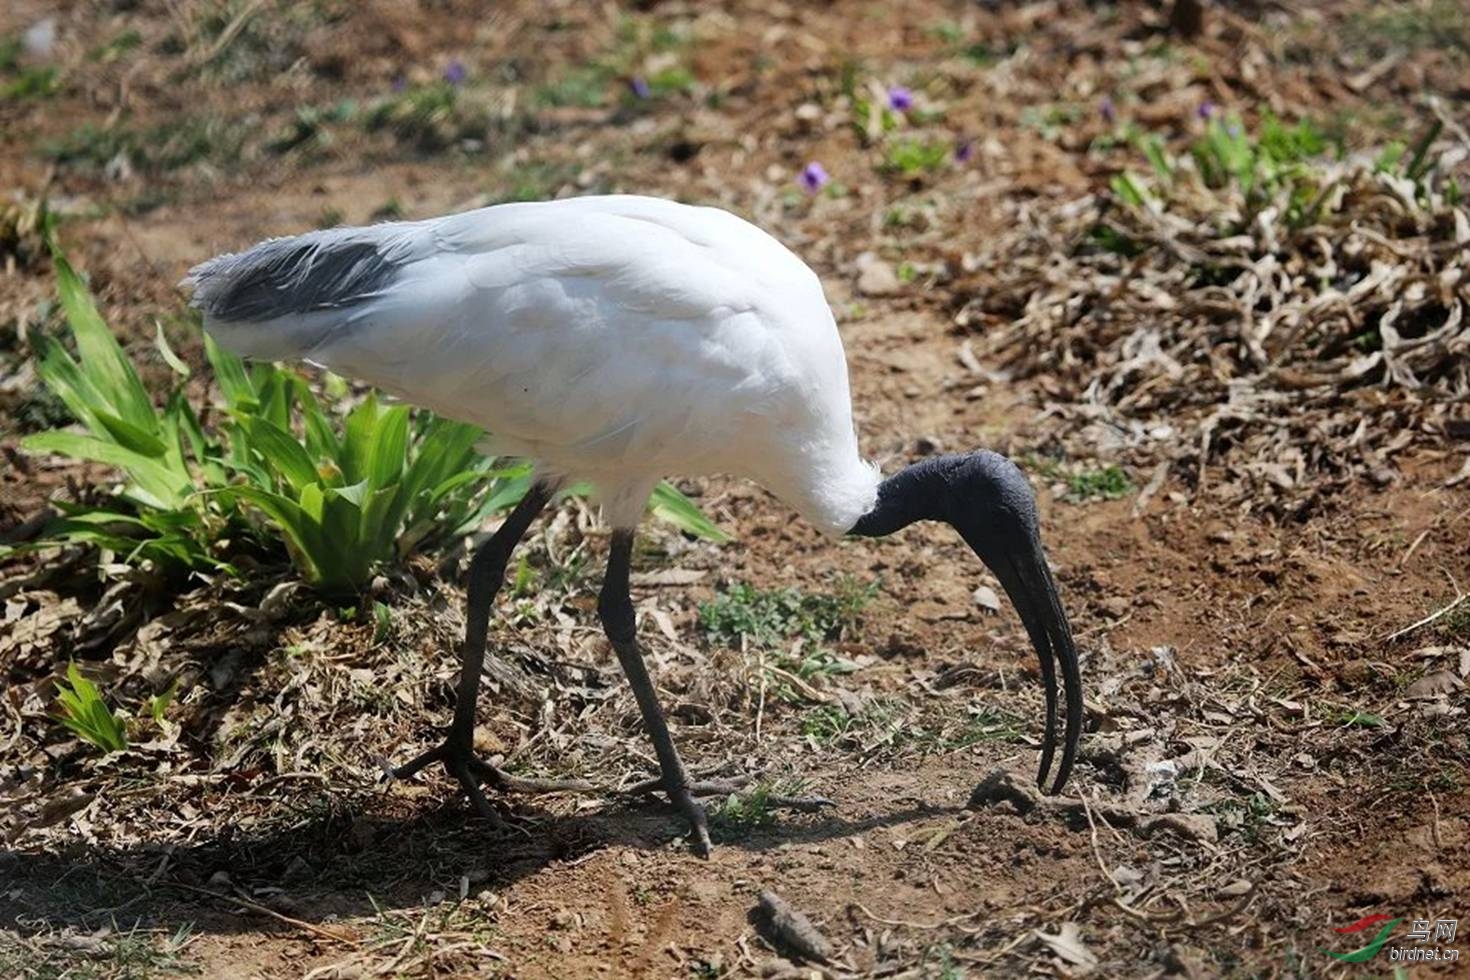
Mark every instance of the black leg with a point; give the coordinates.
(615, 608)
(487, 573)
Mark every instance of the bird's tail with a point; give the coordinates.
(285, 297)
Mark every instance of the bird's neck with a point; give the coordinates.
(923, 491)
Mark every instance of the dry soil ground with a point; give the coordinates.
(1268, 755)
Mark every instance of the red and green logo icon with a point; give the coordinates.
(1371, 950)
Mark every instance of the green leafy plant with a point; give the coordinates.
(770, 619)
(911, 158)
(388, 484)
(769, 616)
(431, 117)
(157, 704)
(87, 715)
(153, 516)
(755, 807)
(1109, 483)
(1276, 159)
(826, 723)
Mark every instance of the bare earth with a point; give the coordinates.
(1261, 764)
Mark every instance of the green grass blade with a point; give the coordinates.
(386, 458)
(167, 488)
(229, 374)
(66, 380)
(300, 530)
(101, 356)
(167, 352)
(670, 505)
(129, 436)
(357, 438)
(281, 452)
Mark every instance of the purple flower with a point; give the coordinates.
(399, 83)
(900, 99)
(639, 85)
(454, 72)
(1107, 110)
(1233, 129)
(1206, 110)
(964, 150)
(813, 177)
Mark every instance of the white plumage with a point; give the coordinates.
(614, 339)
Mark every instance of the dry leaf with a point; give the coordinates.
(1068, 945)
(1433, 685)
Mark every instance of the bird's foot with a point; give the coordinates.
(460, 761)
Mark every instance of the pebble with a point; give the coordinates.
(986, 599)
(876, 277)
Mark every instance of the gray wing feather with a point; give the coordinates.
(321, 270)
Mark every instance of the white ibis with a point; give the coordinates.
(619, 340)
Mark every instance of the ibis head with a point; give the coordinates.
(986, 498)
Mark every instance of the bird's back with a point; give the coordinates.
(617, 339)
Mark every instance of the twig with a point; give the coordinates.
(257, 907)
(19, 726)
(1434, 831)
(912, 925)
(227, 36)
(1096, 851)
(805, 689)
(760, 707)
(409, 943)
(1413, 547)
(1461, 597)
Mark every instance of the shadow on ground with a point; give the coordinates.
(342, 861)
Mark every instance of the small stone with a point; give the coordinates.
(1002, 786)
(928, 446)
(40, 38)
(986, 599)
(1194, 826)
(1116, 606)
(563, 920)
(1235, 889)
(876, 277)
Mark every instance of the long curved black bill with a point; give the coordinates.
(1027, 580)
(987, 499)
